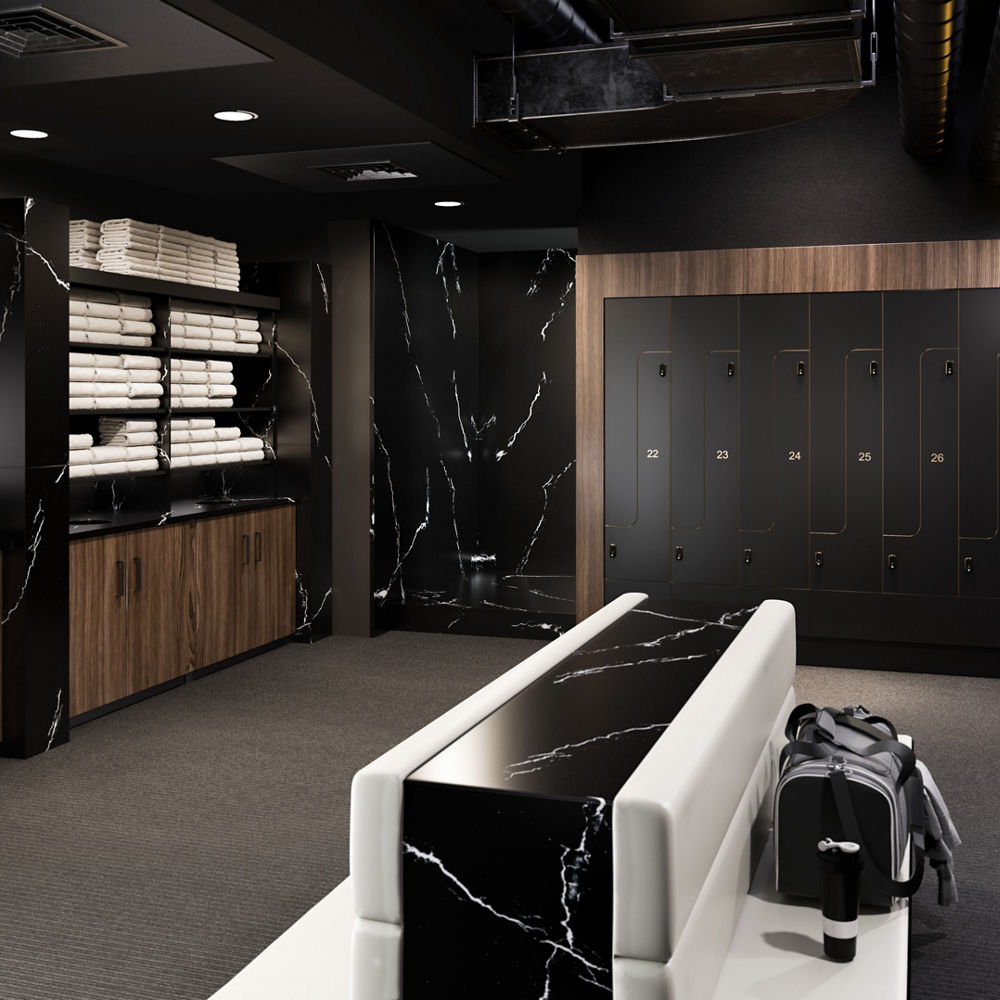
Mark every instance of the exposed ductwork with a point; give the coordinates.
(984, 160)
(548, 22)
(928, 54)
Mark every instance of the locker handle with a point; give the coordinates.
(892, 560)
(748, 556)
(730, 368)
(800, 368)
(949, 368)
(818, 557)
(663, 370)
(258, 539)
(679, 553)
(137, 564)
(120, 567)
(967, 564)
(245, 545)
(873, 368)
(613, 551)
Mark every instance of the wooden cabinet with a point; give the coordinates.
(148, 606)
(131, 618)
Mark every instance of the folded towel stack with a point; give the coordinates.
(196, 384)
(199, 442)
(126, 446)
(103, 317)
(200, 326)
(114, 382)
(152, 251)
(84, 242)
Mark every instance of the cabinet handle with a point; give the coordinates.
(120, 567)
(258, 539)
(245, 545)
(137, 562)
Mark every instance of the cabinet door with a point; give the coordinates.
(271, 605)
(97, 613)
(161, 637)
(223, 575)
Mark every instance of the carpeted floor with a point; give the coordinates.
(169, 843)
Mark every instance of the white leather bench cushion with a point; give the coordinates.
(377, 790)
(693, 969)
(376, 960)
(670, 817)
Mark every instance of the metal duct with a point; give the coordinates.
(928, 53)
(984, 160)
(549, 22)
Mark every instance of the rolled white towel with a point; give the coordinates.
(201, 423)
(140, 361)
(137, 390)
(226, 433)
(241, 348)
(79, 360)
(127, 254)
(80, 471)
(141, 403)
(98, 389)
(180, 462)
(202, 447)
(219, 378)
(223, 335)
(81, 456)
(179, 448)
(249, 336)
(179, 389)
(97, 374)
(110, 468)
(102, 310)
(215, 391)
(140, 453)
(213, 365)
(109, 453)
(188, 365)
(247, 324)
(228, 457)
(223, 401)
(191, 344)
(194, 378)
(143, 374)
(249, 444)
(191, 402)
(252, 456)
(101, 325)
(83, 337)
(81, 442)
(142, 465)
(184, 318)
(108, 297)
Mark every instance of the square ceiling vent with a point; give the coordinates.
(37, 30)
(386, 170)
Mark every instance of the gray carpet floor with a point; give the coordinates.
(169, 843)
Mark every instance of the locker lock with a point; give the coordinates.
(748, 556)
(613, 550)
(730, 368)
(873, 368)
(663, 370)
(800, 368)
(949, 368)
(967, 564)
(892, 560)
(679, 553)
(818, 557)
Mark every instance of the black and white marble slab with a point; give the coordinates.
(507, 881)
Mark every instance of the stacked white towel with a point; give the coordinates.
(196, 384)
(199, 442)
(97, 316)
(153, 251)
(114, 382)
(126, 446)
(84, 242)
(200, 326)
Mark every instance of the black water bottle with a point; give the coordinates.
(840, 886)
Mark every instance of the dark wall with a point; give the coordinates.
(474, 436)
(840, 178)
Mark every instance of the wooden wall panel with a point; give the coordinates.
(768, 270)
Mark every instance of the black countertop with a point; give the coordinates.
(582, 728)
(107, 521)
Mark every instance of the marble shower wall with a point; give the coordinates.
(473, 488)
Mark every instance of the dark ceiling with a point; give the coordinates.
(132, 133)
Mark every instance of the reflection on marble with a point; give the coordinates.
(536, 761)
(550, 484)
(326, 293)
(56, 719)
(312, 398)
(305, 618)
(37, 524)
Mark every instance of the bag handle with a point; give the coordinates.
(871, 873)
(906, 757)
(867, 726)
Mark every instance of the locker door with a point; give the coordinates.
(979, 406)
(774, 444)
(636, 439)
(847, 556)
(704, 441)
(925, 560)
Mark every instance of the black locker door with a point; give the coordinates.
(979, 406)
(774, 441)
(925, 561)
(846, 441)
(704, 500)
(636, 439)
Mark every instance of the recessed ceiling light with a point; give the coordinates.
(236, 116)
(449, 204)
(28, 133)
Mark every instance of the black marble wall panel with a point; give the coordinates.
(33, 474)
(473, 437)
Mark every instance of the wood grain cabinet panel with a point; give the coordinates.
(271, 603)
(223, 571)
(98, 607)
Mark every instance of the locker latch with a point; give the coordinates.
(663, 370)
(730, 368)
(800, 368)
(679, 553)
(949, 368)
(892, 560)
(613, 550)
(873, 368)
(967, 564)
(818, 557)
(748, 556)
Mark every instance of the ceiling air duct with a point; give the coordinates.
(928, 53)
(686, 70)
(548, 22)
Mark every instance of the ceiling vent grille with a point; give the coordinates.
(36, 30)
(384, 170)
